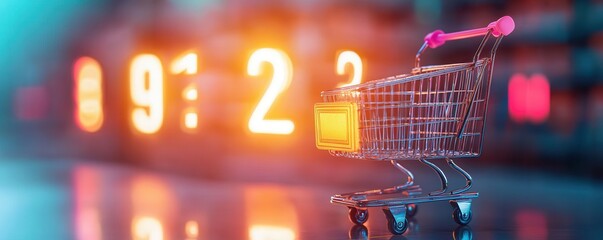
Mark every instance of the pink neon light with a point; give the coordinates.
(540, 93)
(529, 99)
(517, 101)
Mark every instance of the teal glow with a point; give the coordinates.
(33, 35)
(428, 11)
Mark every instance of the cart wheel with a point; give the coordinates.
(358, 216)
(359, 232)
(460, 218)
(411, 210)
(395, 227)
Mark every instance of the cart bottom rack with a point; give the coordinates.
(400, 202)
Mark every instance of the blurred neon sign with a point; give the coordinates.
(147, 88)
(529, 98)
(281, 78)
(146, 91)
(350, 58)
(88, 94)
(188, 64)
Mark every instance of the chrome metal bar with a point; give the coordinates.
(412, 190)
(492, 56)
(481, 47)
(418, 56)
(470, 100)
(468, 178)
(442, 176)
(402, 201)
(407, 186)
(495, 47)
(479, 78)
(409, 177)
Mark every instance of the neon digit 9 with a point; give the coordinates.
(146, 91)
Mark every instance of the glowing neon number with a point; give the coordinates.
(281, 79)
(190, 93)
(529, 98)
(350, 57)
(88, 94)
(189, 117)
(187, 64)
(147, 228)
(146, 90)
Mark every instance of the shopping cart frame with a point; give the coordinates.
(399, 202)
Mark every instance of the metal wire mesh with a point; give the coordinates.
(419, 115)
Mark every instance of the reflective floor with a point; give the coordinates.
(44, 199)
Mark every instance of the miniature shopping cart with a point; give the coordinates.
(435, 112)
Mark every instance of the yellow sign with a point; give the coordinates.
(336, 126)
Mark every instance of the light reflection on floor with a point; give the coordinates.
(270, 214)
(70, 200)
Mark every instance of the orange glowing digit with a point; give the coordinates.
(281, 78)
(187, 64)
(146, 91)
(190, 93)
(189, 117)
(350, 57)
(88, 94)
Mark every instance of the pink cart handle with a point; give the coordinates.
(503, 26)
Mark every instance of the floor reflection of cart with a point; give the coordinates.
(435, 112)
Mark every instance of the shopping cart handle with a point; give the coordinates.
(503, 26)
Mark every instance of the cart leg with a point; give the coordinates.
(410, 177)
(468, 178)
(407, 186)
(396, 219)
(440, 174)
(462, 211)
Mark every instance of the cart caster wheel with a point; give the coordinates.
(460, 218)
(397, 227)
(411, 210)
(359, 232)
(358, 216)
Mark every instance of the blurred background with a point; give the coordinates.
(545, 113)
(560, 42)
